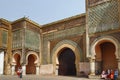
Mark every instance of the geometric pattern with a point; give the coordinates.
(103, 17)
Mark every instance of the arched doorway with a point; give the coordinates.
(17, 61)
(31, 68)
(66, 58)
(105, 56)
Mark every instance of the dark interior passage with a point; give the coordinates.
(30, 68)
(108, 56)
(67, 65)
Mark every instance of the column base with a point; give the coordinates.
(92, 74)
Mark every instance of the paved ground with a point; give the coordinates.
(34, 77)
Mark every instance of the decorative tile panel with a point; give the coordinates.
(32, 40)
(62, 34)
(103, 17)
(17, 39)
(4, 38)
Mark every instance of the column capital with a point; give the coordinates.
(13, 63)
(37, 65)
(23, 64)
(118, 60)
(57, 66)
(92, 60)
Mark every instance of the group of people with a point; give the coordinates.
(109, 74)
(19, 72)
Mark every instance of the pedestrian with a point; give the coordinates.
(116, 74)
(20, 70)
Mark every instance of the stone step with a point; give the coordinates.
(94, 77)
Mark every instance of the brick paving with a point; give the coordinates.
(35, 77)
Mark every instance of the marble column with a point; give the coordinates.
(13, 69)
(24, 69)
(118, 65)
(37, 70)
(56, 70)
(92, 66)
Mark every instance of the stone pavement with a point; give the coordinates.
(35, 77)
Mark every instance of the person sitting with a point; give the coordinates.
(112, 75)
(104, 75)
(108, 73)
(116, 74)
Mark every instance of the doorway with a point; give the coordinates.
(105, 56)
(66, 60)
(17, 60)
(31, 68)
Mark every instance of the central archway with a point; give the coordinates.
(60, 47)
(66, 60)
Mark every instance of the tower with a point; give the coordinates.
(101, 16)
(102, 20)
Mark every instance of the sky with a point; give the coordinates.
(41, 11)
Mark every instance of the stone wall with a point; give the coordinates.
(46, 69)
(84, 67)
